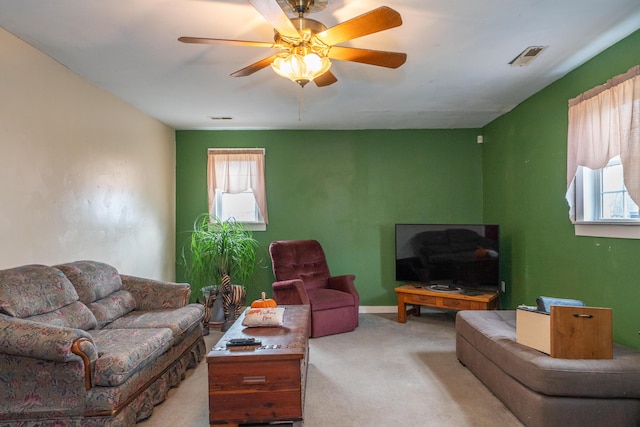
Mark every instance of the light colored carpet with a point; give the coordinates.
(382, 374)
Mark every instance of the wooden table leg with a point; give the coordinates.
(415, 310)
(402, 309)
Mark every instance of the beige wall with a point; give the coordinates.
(83, 175)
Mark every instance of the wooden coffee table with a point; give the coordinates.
(261, 385)
(411, 295)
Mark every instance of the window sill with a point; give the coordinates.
(616, 230)
(255, 226)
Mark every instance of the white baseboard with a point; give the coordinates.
(378, 309)
(394, 309)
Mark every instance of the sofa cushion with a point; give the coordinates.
(34, 289)
(93, 280)
(493, 333)
(124, 352)
(75, 315)
(111, 307)
(179, 320)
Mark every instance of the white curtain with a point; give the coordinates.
(604, 122)
(235, 171)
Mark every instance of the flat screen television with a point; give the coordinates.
(457, 255)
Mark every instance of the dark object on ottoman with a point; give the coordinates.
(302, 277)
(545, 391)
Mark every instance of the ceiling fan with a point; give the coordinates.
(307, 46)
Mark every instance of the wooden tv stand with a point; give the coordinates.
(417, 296)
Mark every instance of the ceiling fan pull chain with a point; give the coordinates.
(300, 102)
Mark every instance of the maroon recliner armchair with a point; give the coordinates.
(302, 277)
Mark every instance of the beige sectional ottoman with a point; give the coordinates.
(545, 391)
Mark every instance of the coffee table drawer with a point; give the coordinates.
(271, 376)
(257, 407)
(249, 391)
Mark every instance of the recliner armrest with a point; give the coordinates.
(290, 292)
(344, 283)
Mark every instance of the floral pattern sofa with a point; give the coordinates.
(82, 345)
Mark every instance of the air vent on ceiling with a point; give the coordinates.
(220, 118)
(527, 56)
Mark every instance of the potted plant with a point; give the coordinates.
(217, 249)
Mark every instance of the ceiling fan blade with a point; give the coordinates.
(325, 79)
(204, 40)
(257, 66)
(380, 58)
(274, 14)
(371, 22)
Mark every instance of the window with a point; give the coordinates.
(236, 186)
(603, 156)
(241, 206)
(602, 195)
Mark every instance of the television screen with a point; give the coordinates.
(460, 255)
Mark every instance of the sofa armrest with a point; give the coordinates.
(44, 387)
(290, 292)
(153, 294)
(23, 338)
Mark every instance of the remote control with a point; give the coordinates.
(240, 342)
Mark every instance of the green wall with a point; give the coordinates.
(524, 189)
(346, 189)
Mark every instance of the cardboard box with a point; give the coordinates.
(533, 329)
(567, 332)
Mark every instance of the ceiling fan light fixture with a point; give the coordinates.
(301, 68)
(306, 45)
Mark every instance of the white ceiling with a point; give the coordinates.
(456, 75)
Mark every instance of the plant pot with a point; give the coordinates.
(217, 312)
(213, 310)
(233, 302)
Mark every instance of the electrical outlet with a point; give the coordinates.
(503, 286)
